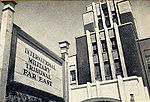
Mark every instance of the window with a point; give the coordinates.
(73, 75)
(115, 18)
(102, 36)
(104, 46)
(100, 24)
(94, 47)
(107, 71)
(105, 9)
(97, 73)
(95, 51)
(118, 68)
(148, 61)
(111, 33)
(114, 44)
(95, 58)
(93, 38)
(107, 22)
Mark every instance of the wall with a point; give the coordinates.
(144, 46)
(83, 69)
(111, 89)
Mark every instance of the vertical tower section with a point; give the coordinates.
(109, 46)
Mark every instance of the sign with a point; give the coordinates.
(34, 69)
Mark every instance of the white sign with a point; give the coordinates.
(36, 70)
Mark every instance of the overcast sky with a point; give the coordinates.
(52, 21)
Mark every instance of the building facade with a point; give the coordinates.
(72, 70)
(109, 46)
(144, 51)
(108, 56)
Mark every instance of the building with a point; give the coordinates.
(144, 50)
(109, 66)
(109, 43)
(73, 70)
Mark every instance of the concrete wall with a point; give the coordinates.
(72, 67)
(144, 46)
(120, 89)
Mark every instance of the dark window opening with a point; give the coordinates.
(114, 44)
(95, 58)
(105, 9)
(104, 46)
(115, 18)
(107, 22)
(108, 75)
(97, 73)
(100, 24)
(148, 61)
(118, 67)
(95, 51)
(73, 75)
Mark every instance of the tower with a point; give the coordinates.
(109, 47)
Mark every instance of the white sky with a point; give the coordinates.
(52, 21)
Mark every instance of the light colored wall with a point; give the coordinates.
(111, 89)
(72, 66)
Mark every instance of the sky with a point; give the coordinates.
(50, 22)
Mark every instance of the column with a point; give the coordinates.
(99, 44)
(98, 89)
(109, 13)
(123, 66)
(117, 12)
(121, 89)
(5, 44)
(109, 46)
(89, 91)
(64, 46)
(90, 52)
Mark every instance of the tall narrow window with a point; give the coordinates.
(148, 61)
(107, 71)
(73, 75)
(93, 38)
(118, 68)
(114, 44)
(97, 73)
(100, 24)
(104, 46)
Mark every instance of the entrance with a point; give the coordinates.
(102, 99)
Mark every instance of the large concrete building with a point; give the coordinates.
(144, 51)
(108, 55)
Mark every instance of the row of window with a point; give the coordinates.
(108, 74)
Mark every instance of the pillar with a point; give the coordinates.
(109, 45)
(109, 13)
(117, 12)
(5, 44)
(121, 89)
(98, 89)
(64, 46)
(99, 44)
(123, 66)
(90, 53)
(89, 91)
